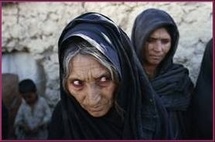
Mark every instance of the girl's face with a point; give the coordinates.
(91, 85)
(157, 46)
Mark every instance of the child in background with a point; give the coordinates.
(33, 115)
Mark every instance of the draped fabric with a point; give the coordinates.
(173, 87)
(134, 95)
(202, 102)
(171, 83)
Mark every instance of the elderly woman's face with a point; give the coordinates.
(157, 46)
(91, 84)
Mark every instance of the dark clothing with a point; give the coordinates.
(5, 122)
(56, 129)
(171, 83)
(202, 102)
(141, 118)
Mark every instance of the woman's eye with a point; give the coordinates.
(104, 80)
(77, 83)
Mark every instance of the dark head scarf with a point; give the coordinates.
(148, 21)
(134, 92)
(171, 83)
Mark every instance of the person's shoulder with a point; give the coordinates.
(210, 43)
(58, 107)
(42, 99)
(23, 104)
(180, 69)
(209, 48)
(57, 113)
(56, 127)
(179, 66)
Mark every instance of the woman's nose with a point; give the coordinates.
(93, 95)
(158, 46)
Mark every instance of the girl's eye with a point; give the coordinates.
(151, 40)
(165, 41)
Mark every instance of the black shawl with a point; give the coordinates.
(171, 83)
(202, 102)
(141, 118)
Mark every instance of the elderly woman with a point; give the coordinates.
(104, 91)
(155, 39)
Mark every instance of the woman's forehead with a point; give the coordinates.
(86, 65)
